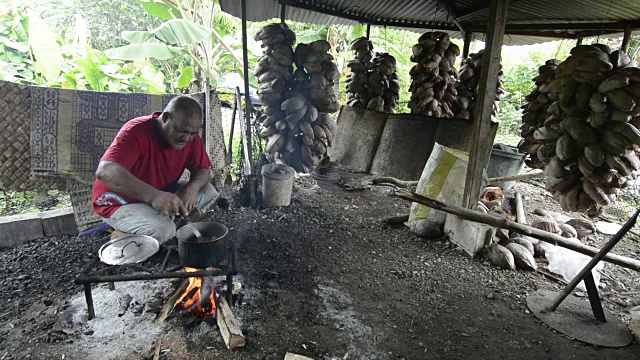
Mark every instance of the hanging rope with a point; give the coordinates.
(559, 47)
(602, 23)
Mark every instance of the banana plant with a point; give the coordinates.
(194, 30)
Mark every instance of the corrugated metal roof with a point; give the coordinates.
(415, 15)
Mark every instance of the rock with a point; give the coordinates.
(47, 302)
(490, 296)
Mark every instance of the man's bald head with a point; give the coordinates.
(181, 121)
(184, 107)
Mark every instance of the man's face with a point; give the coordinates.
(180, 131)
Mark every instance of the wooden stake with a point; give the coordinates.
(292, 356)
(626, 39)
(481, 143)
(171, 301)
(501, 223)
(531, 175)
(156, 354)
(394, 181)
(228, 325)
(520, 210)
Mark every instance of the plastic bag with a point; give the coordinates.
(442, 179)
(568, 263)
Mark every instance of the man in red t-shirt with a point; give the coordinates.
(137, 189)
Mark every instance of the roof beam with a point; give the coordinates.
(366, 20)
(512, 28)
(563, 35)
(450, 9)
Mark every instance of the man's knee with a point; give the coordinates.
(206, 196)
(164, 230)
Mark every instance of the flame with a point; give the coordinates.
(191, 298)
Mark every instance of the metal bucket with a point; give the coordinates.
(505, 163)
(211, 251)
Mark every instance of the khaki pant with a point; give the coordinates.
(142, 219)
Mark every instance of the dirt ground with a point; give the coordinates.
(322, 278)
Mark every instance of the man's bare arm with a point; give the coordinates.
(121, 180)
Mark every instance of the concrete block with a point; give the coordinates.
(59, 222)
(405, 146)
(357, 138)
(469, 235)
(17, 229)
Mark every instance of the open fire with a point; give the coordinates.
(199, 298)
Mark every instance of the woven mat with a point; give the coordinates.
(15, 156)
(72, 130)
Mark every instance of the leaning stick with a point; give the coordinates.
(501, 223)
(531, 175)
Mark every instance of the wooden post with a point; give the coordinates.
(467, 44)
(479, 153)
(368, 30)
(520, 217)
(207, 115)
(251, 181)
(626, 38)
(283, 10)
(579, 42)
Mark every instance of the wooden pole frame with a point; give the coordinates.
(251, 181)
(479, 154)
(502, 223)
(626, 39)
(468, 35)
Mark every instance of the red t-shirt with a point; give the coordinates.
(140, 147)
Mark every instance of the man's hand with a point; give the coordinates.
(189, 196)
(169, 204)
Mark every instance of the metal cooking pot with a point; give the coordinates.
(210, 251)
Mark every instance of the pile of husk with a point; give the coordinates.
(467, 88)
(520, 251)
(535, 112)
(373, 83)
(433, 86)
(592, 132)
(295, 118)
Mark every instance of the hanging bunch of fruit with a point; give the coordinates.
(467, 88)
(535, 113)
(433, 86)
(373, 83)
(295, 118)
(591, 136)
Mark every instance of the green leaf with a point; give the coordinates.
(21, 47)
(181, 32)
(154, 80)
(46, 50)
(138, 37)
(307, 36)
(93, 74)
(185, 78)
(137, 52)
(160, 9)
(71, 78)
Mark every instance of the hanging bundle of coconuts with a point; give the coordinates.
(433, 85)
(295, 118)
(373, 83)
(591, 134)
(467, 88)
(535, 112)
(274, 69)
